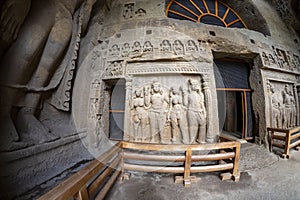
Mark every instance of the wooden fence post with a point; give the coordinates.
(235, 171)
(187, 168)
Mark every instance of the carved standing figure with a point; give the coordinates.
(194, 101)
(177, 115)
(33, 58)
(276, 109)
(155, 100)
(139, 115)
(287, 101)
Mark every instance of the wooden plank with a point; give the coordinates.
(279, 137)
(278, 130)
(187, 167)
(169, 158)
(294, 136)
(197, 7)
(212, 168)
(97, 183)
(287, 144)
(271, 141)
(234, 89)
(279, 145)
(246, 114)
(71, 186)
(243, 113)
(108, 185)
(179, 147)
(180, 14)
(187, 9)
(236, 160)
(295, 129)
(83, 194)
(211, 157)
(156, 169)
(295, 144)
(162, 158)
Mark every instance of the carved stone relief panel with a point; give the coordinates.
(115, 50)
(115, 69)
(165, 76)
(155, 48)
(128, 11)
(283, 104)
(167, 109)
(140, 12)
(165, 46)
(178, 47)
(131, 11)
(94, 101)
(281, 59)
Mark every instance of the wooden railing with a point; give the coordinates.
(96, 179)
(225, 158)
(85, 184)
(290, 138)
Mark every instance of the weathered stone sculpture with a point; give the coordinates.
(155, 99)
(276, 109)
(287, 101)
(32, 60)
(139, 115)
(194, 100)
(177, 115)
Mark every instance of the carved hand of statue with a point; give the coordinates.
(13, 14)
(87, 10)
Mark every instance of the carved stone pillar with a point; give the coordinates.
(208, 104)
(127, 117)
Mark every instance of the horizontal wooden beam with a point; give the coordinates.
(279, 145)
(235, 89)
(278, 130)
(295, 144)
(179, 147)
(156, 169)
(212, 168)
(170, 158)
(279, 137)
(294, 136)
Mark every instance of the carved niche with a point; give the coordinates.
(283, 104)
(115, 69)
(160, 113)
(128, 11)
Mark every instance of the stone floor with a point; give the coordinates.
(263, 176)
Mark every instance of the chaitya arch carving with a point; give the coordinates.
(212, 12)
(220, 13)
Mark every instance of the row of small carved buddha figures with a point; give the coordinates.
(177, 47)
(154, 108)
(284, 109)
(282, 59)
